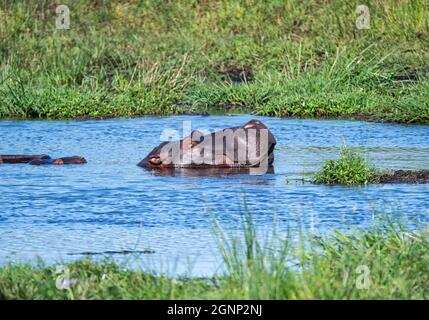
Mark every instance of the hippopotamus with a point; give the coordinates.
(41, 159)
(21, 158)
(59, 161)
(250, 146)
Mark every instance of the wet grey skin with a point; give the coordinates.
(228, 159)
(42, 159)
(12, 159)
(59, 161)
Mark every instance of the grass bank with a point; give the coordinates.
(384, 262)
(282, 58)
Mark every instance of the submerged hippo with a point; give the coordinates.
(41, 159)
(59, 161)
(22, 158)
(250, 146)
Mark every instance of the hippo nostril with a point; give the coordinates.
(155, 161)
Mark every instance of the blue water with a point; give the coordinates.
(59, 212)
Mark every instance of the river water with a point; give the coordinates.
(59, 213)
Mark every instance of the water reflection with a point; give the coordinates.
(205, 172)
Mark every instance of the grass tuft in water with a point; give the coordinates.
(350, 168)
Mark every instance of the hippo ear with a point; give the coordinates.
(253, 124)
(192, 140)
(187, 143)
(197, 137)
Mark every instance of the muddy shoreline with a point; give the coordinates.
(405, 176)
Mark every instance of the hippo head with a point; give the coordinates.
(59, 161)
(70, 160)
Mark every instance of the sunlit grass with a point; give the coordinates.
(350, 168)
(306, 59)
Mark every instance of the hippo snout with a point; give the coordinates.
(73, 160)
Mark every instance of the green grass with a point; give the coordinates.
(130, 58)
(349, 169)
(384, 262)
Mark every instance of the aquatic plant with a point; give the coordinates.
(350, 168)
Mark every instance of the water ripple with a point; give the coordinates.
(111, 205)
